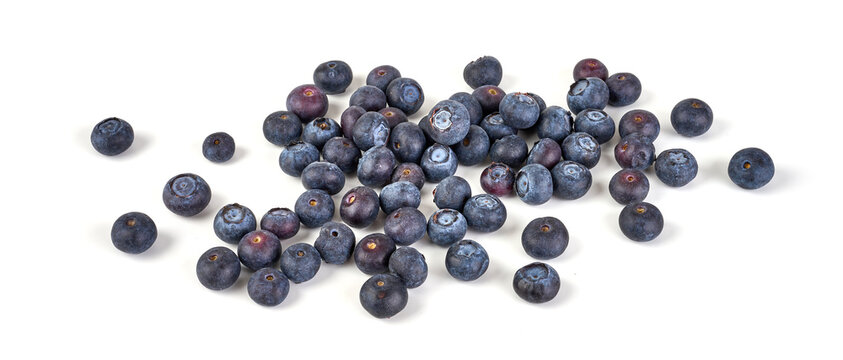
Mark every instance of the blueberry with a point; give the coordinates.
(751, 168)
(639, 121)
(475, 111)
(268, 287)
(545, 238)
(300, 262)
(582, 148)
(282, 222)
(398, 195)
(112, 136)
(486, 70)
(307, 102)
(218, 147)
(341, 152)
(405, 94)
(497, 179)
(446, 226)
(451, 193)
(234, 221)
(411, 172)
(218, 268)
(368, 97)
(489, 97)
(545, 152)
(624, 89)
(394, 116)
(383, 295)
(555, 123)
(322, 175)
(533, 184)
(635, 151)
(494, 127)
(348, 118)
(371, 255)
(676, 167)
(133, 233)
(333, 77)
(595, 123)
(588, 93)
(407, 142)
(536, 283)
(282, 128)
(510, 150)
(691, 117)
(474, 148)
(466, 260)
(296, 156)
(186, 194)
(438, 162)
(405, 226)
(320, 130)
(629, 186)
(519, 110)
(370, 130)
(409, 264)
(641, 221)
(314, 208)
(539, 101)
(381, 76)
(335, 243)
(571, 180)
(359, 207)
(590, 68)
(375, 166)
(484, 213)
(449, 122)
(259, 249)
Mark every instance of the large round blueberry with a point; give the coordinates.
(398, 195)
(112, 136)
(533, 184)
(536, 283)
(218, 268)
(411, 172)
(595, 123)
(629, 186)
(588, 93)
(314, 208)
(368, 97)
(486, 70)
(383, 295)
(495, 128)
(282, 222)
(268, 287)
(571, 180)
(449, 122)
(474, 148)
(405, 94)
(676, 167)
(475, 110)
(545, 238)
(466, 260)
(635, 151)
(405, 226)
(438, 162)
(691, 117)
(259, 249)
(555, 123)
(451, 193)
(308, 102)
(519, 110)
(133, 233)
(371, 255)
(218, 147)
(489, 97)
(322, 175)
(320, 130)
(446, 226)
(348, 118)
(296, 156)
(335, 243)
(233, 221)
(639, 121)
(582, 148)
(375, 166)
(186, 194)
(590, 67)
(341, 152)
(641, 221)
(510, 150)
(300, 262)
(484, 213)
(545, 152)
(407, 142)
(381, 76)
(497, 179)
(282, 128)
(333, 77)
(370, 130)
(624, 89)
(409, 264)
(359, 207)
(751, 168)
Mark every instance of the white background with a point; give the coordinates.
(735, 274)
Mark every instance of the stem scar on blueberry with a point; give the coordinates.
(351, 199)
(270, 278)
(131, 222)
(746, 165)
(640, 209)
(216, 141)
(213, 257)
(283, 117)
(493, 91)
(381, 72)
(406, 172)
(371, 245)
(545, 228)
(696, 105)
(621, 77)
(335, 233)
(323, 125)
(638, 118)
(308, 92)
(624, 147)
(466, 142)
(299, 253)
(312, 202)
(332, 65)
(397, 215)
(389, 114)
(379, 283)
(398, 146)
(630, 178)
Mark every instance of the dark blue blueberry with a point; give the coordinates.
(259, 249)
(314, 208)
(359, 207)
(451, 193)
(268, 287)
(691, 117)
(407, 142)
(555, 123)
(641, 221)
(341, 152)
(449, 122)
(409, 264)
(624, 89)
(590, 67)
(545, 238)
(300, 262)
(582, 148)
(751, 168)
(446, 226)
(282, 222)
(486, 70)
(411, 172)
(348, 118)
(282, 128)
(438, 162)
(323, 176)
(494, 127)
(218, 268)
(335, 243)
(474, 148)
(475, 111)
(595, 123)
(588, 93)
(368, 97)
(629, 186)
(639, 121)
(186, 194)
(466, 260)
(405, 226)
(218, 147)
(234, 221)
(296, 156)
(308, 102)
(510, 150)
(545, 152)
(635, 151)
(676, 167)
(533, 184)
(375, 166)
(394, 116)
(398, 195)
(370, 130)
(405, 94)
(497, 179)
(333, 77)
(489, 97)
(536, 283)
(371, 255)
(112, 136)
(320, 130)
(381, 76)
(571, 180)
(539, 101)
(133, 233)
(484, 213)
(384, 295)
(519, 110)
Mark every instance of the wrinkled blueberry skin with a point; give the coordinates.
(438, 162)
(595, 123)
(398, 195)
(545, 152)
(571, 180)
(359, 207)
(218, 268)
(474, 148)
(510, 150)
(536, 283)
(446, 226)
(624, 89)
(370, 130)
(641, 221)
(259, 249)
(348, 118)
(234, 221)
(381, 76)
(691, 117)
(582, 148)
(405, 226)
(484, 213)
(629, 186)
(314, 208)
(186, 194)
(335, 243)
(751, 168)
(411, 172)
(497, 179)
(519, 110)
(320, 130)
(405, 94)
(409, 264)
(371, 255)
(407, 142)
(308, 102)
(555, 123)
(296, 156)
(635, 151)
(394, 116)
(639, 121)
(133, 233)
(588, 93)
(384, 295)
(282, 128)
(494, 127)
(300, 262)
(112, 136)
(375, 166)
(590, 67)
(341, 152)
(486, 70)
(533, 184)
(368, 97)
(218, 147)
(268, 287)
(322, 175)
(545, 238)
(449, 122)
(451, 193)
(466, 260)
(475, 111)
(333, 77)
(676, 167)
(489, 97)
(282, 222)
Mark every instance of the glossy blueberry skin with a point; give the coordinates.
(348, 118)
(590, 67)
(268, 287)
(234, 221)
(300, 262)
(394, 116)
(411, 172)
(494, 127)
(296, 156)
(624, 89)
(341, 152)
(405, 94)
(751, 168)
(359, 207)
(368, 97)
(519, 110)
(409, 264)
(489, 97)
(259, 249)
(335, 243)
(446, 226)
(486, 70)
(282, 222)
(384, 295)
(596, 123)
(451, 193)
(405, 226)
(375, 167)
(484, 213)
(676, 167)
(533, 184)
(691, 117)
(536, 283)
(449, 122)
(639, 121)
(314, 208)
(133, 233)
(582, 148)
(474, 148)
(466, 260)
(218, 268)
(381, 76)
(333, 77)
(497, 179)
(112, 136)
(475, 111)
(320, 130)
(635, 151)
(588, 93)
(641, 221)
(438, 162)
(629, 186)
(398, 195)
(555, 123)
(545, 152)
(322, 175)
(282, 128)
(371, 255)
(545, 238)
(186, 194)
(571, 180)
(407, 142)
(510, 150)
(370, 130)
(218, 147)
(308, 102)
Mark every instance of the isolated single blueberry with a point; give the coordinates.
(218, 268)
(519, 110)
(639, 121)
(359, 207)
(320, 130)
(641, 221)
(595, 123)
(510, 150)
(486, 70)
(582, 148)
(571, 180)
(497, 179)
(555, 123)
(635, 151)
(381, 76)
(411, 172)
(282, 222)
(474, 148)
(308, 102)
(259, 249)
(624, 89)
(398, 195)
(384, 295)
(268, 287)
(322, 175)
(405, 226)
(751, 168)
(446, 226)
(375, 166)
(536, 283)
(335, 243)
(588, 93)
(368, 97)
(407, 142)
(475, 110)
(405, 94)
(533, 184)
(409, 264)
(112, 136)
(218, 147)
(484, 213)
(466, 260)
(333, 77)
(371, 255)
(629, 186)
(133, 232)
(282, 128)
(314, 208)
(545, 238)
(449, 122)
(545, 152)
(590, 67)
(233, 221)
(342, 152)
(300, 262)
(438, 162)
(186, 194)
(495, 128)
(451, 193)
(676, 167)
(691, 117)
(296, 156)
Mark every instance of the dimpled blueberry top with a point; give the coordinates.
(522, 183)
(233, 213)
(439, 154)
(586, 142)
(410, 93)
(442, 119)
(445, 218)
(184, 186)
(496, 119)
(486, 201)
(579, 87)
(109, 126)
(572, 170)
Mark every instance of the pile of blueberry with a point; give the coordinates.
(375, 140)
